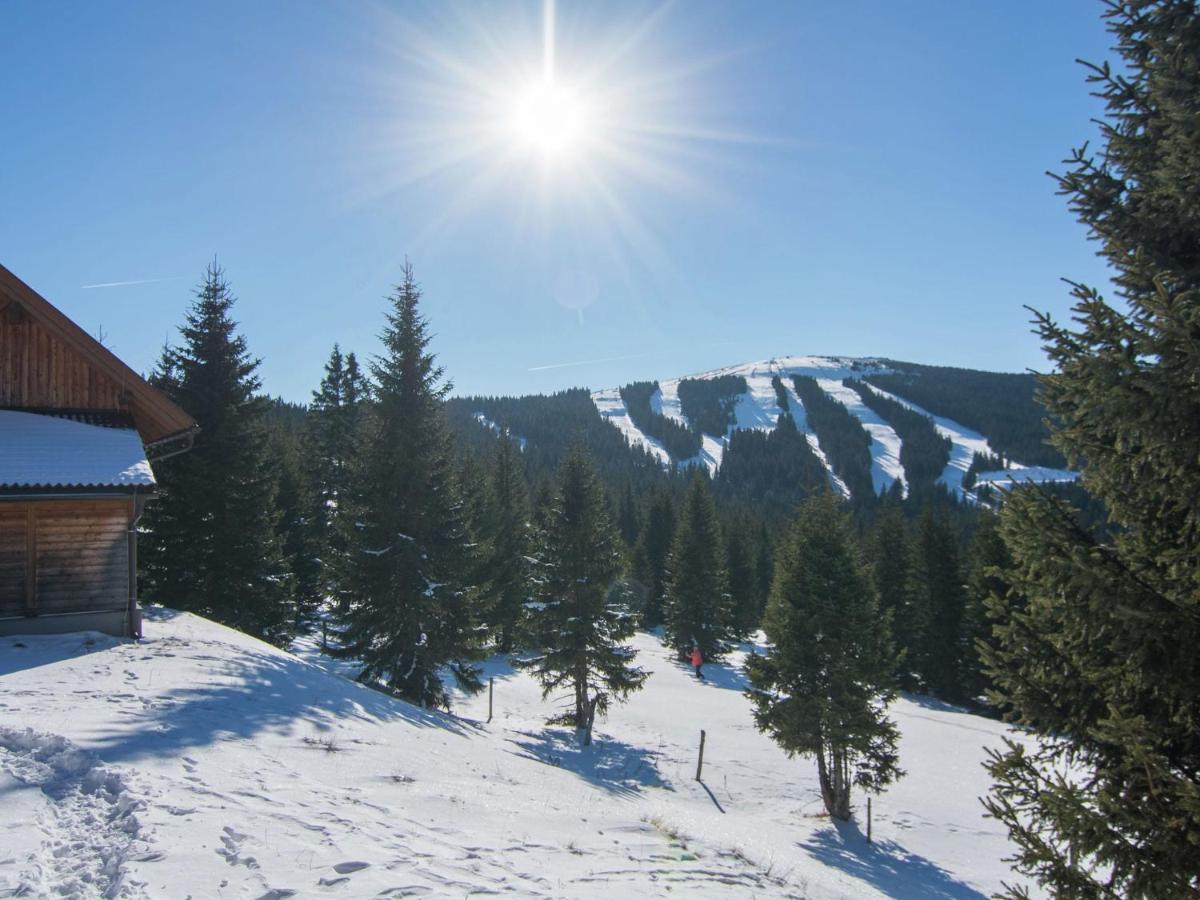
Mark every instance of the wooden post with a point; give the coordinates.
(491, 694)
(700, 761)
(868, 820)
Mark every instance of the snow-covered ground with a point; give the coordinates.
(200, 762)
(758, 409)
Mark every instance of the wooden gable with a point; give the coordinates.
(49, 362)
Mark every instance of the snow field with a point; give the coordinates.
(200, 762)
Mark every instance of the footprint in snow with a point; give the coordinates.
(354, 865)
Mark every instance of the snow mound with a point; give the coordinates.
(201, 761)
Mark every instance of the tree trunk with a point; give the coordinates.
(842, 787)
(823, 773)
(591, 718)
(834, 773)
(581, 695)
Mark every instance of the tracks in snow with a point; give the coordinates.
(87, 821)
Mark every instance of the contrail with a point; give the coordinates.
(88, 287)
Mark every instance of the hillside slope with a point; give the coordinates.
(202, 762)
(758, 408)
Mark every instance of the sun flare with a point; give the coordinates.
(549, 119)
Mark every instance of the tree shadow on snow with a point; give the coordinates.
(617, 767)
(244, 692)
(885, 865)
(728, 676)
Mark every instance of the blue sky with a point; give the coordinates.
(751, 179)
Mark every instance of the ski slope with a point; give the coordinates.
(758, 409)
(200, 762)
(965, 443)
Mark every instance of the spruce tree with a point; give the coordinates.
(507, 578)
(580, 622)
(940, 597)
(823, 687)
(627, 516)
(764, 567)
(745, 610)
(650, 556)
(212, 546)
(696, 605)
(297, 527)
(987, 561)
(410, 610)
(892, 568)
(330, 441)
(1095, 644)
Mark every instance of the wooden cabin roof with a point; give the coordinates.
(41, 451)
(48, 362)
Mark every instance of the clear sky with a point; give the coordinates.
(676, 187)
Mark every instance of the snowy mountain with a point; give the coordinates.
(201, 762)
(758, 408)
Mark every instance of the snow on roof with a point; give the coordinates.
(39, 450)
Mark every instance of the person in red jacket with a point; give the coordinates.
(697, 662)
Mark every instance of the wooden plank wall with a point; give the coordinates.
(12, 558)
(81, 550)
(39, 370)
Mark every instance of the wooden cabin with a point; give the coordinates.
(77, 430)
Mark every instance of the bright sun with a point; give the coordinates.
(549, 119)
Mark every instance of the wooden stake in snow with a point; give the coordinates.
(868, 820)
(700, 761)
(491, 694)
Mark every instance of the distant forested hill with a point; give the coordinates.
(1002, 406)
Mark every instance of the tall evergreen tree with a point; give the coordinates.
(212, 546)
(823, 687)
(297, 527)
(410, 613)
(745, 611)
(581, 623)
(507, 577)
(987, 561)
(696, 606)
(892, 568)
(627, 516)
(330, 441)
(940, 597)
(764, 567)
(1096, 639)
(650, 556)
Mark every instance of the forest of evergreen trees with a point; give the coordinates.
(708, 403)
(421, 535)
